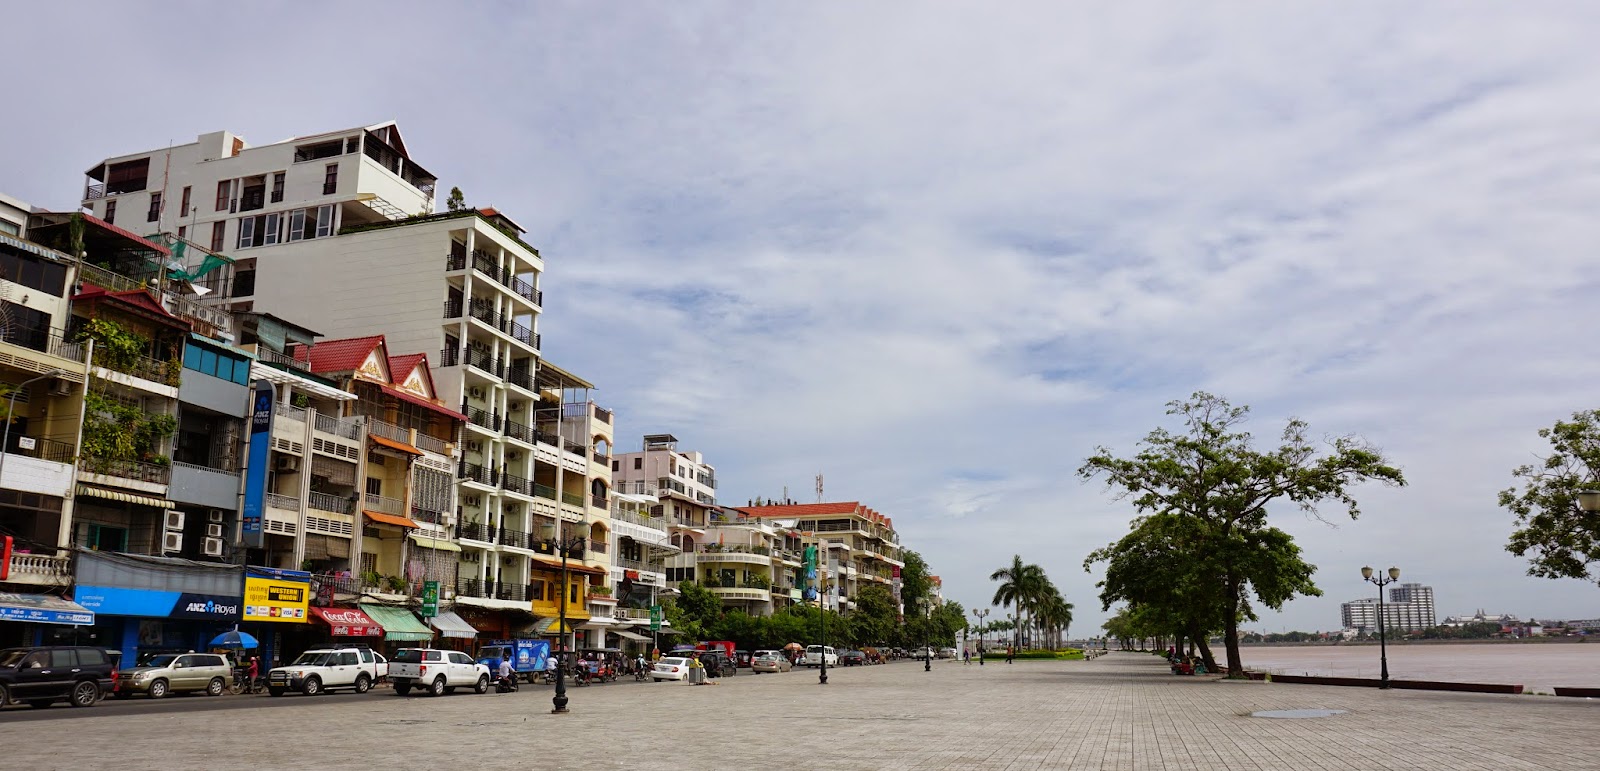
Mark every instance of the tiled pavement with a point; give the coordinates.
(1122, 711)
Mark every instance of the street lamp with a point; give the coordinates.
(927, 661)
(981, 614)
(1589, 501)
(11, 410)
(1383, 650)
(560, 700)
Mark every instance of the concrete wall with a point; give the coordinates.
(204, 487)
(32, 475)
(214, 393)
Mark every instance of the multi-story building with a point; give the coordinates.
(336, 231)
(684, 484)
(42, 377)
(857, 545)
(1409, 608)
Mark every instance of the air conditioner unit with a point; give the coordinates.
(216, 515)
(514, 455)
(172, 542)
(60, 387)
(213, 531)
(212, 547)
(475, 392)
(472, 500)
(174, 520)
(516, 406)
(474, 445)
(286, 464)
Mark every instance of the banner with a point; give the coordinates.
(430, 599)
(255, 477)
(118, 601)
(272, 594)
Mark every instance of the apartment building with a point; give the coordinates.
(42, 378)
(1409, 608)
(640, 546)
(858, 546)
(682, 481)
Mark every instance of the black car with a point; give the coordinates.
(718, 664)
(852, 659)
(43, 676)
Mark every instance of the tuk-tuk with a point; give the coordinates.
(603, 664)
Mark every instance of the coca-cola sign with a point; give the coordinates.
(348, 622)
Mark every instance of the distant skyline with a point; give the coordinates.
(939, 252)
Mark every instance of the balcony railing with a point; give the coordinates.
(431, 517)
(127, 469)
(285, 502)
(651, 522)
(273, 357)
(432, 444)
(518, 431)
(166, 372)
(289, 412)
(516, 484)
(544, 491)
(601, 458)
(455, 261)
(475, 531)
(337, 504)
(474, 472)
(599, 502)
(483, 263)
(603, 415)
(452, 308)
(43, 340)
(572, 499)
(521, 376)
(388, 430)
(598, 547)
(339, 584)
(94, 192)
(483, 418)
(480, 359)
(491, 590)
(385, 505)
(40, 569)
(449, 357)
(43, 449)
(348, 428)
(628, 564)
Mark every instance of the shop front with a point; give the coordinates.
(276, 609)
(401, 629)
(455, 632)
(32, 619)
(147, 605)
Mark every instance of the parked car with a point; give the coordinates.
(921, 654)
(438, 672)
(324, 669)
(770, 661)
(817, 654)
(718, 664)
(175, 673)
(948, 653)
(670, 668)
(742, 658)
(43, 676)
(852, 659)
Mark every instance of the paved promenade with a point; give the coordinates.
(1122, 711)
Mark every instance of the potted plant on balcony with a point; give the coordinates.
(395, 584)
(370, 580)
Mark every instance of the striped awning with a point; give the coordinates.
(118, 495)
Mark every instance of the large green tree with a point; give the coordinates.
(1560, 539)
(1020, 586)
(1211, 471)
(916, 588)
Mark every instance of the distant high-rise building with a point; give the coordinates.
(1409, 609)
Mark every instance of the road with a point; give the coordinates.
(1121, 711)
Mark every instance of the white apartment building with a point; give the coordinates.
(682, 481)
(1409, 608)
(858, 547)
(336, 230)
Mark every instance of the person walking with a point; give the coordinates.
(1009, 651)
(966, 656)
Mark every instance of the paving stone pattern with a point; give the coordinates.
(1122, 711)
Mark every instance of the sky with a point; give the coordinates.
(940, 252)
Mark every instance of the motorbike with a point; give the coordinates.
(506, 684)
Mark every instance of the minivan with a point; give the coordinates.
(815, 655)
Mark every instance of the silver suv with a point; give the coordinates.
(175, 673)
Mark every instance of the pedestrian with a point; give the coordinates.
(1009, 653)
(980, 655)
(966, 656)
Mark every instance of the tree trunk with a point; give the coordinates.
(1205, 655)
(1231, 629)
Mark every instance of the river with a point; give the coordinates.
(1537, 666)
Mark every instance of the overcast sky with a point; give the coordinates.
(939, 253)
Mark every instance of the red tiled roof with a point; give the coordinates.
(96, 221)
(487, 211)
(800, 509)
(139, 299)
(421, 402)
(342, 355)
(401, 366)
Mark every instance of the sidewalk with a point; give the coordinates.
(1122, 711)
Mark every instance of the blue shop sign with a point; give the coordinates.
(43, 609)
(118, 601)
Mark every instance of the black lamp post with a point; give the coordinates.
(560, 700)
(1383, 650)
(982, 627)
(822, 614)
(927, 661)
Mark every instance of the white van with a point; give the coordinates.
(816, 653)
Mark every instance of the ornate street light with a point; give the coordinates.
(1383, 650)
(560, 700)
(1589, 501)
(981, 615)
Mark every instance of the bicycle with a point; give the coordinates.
(243, 684)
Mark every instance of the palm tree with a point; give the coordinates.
(1020, 586)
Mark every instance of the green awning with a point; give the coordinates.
(398, 623)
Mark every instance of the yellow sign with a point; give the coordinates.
(275, 599)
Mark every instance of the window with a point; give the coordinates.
(184, 210)
(349, 659)
(269, 230)
(324, 221)
(247, 232)
(260, 230)
(330, 180)
(374, 486)
(297, 224)
(638, 463)
(366, 656)
(616, 466)
(183, 231)
(62, 657)
(155, 208)
(217, 229)
(222, 195)
(89, 657)
(111, 211)
(352, 144)
(457, 657)
(29, 270)
(277, 187)
(219, 365)
(536, 591)
(98, 537)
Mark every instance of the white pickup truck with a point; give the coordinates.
(438, 672)
(324, 669)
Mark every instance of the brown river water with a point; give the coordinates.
(1537, 666)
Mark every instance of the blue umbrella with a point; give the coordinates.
(234, 638)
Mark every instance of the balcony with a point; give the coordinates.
(286, 411)
(601, 458)
(654, 523)
(491, 590)
(385, 505)
(284, 502)
(43, 340)
(127, 469)
(143, 367)
(751, 594)
(519, 432)
(514, 538)
(349, 428)
(515, 484)
(599, 502)
(432, 444)
(43, 449)
(572, 499)
(337, 504)
(40, 569)
(474, 472)
(602, 415)
(475, 531)
(430, 517)
(388, 431)
(483, 263)
(482, 360)
(710, 554)
(544, 491)
(521, 376)
(598, 547)
(627, 564)
(483, 419)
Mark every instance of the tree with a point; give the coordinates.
(1019, 585)
(1559, 539)
(456, 201)
(1211, 473)
(873, 620)
(700, 606)
(915, 586)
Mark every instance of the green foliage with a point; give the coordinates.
(117, 432)
(1065, 654)
(1209, 481)
(115, 348)
(1559, 539)
(916, 589)
(456, 201)
(1039, 605)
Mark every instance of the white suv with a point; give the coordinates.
(324, 669)
(439, 672)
